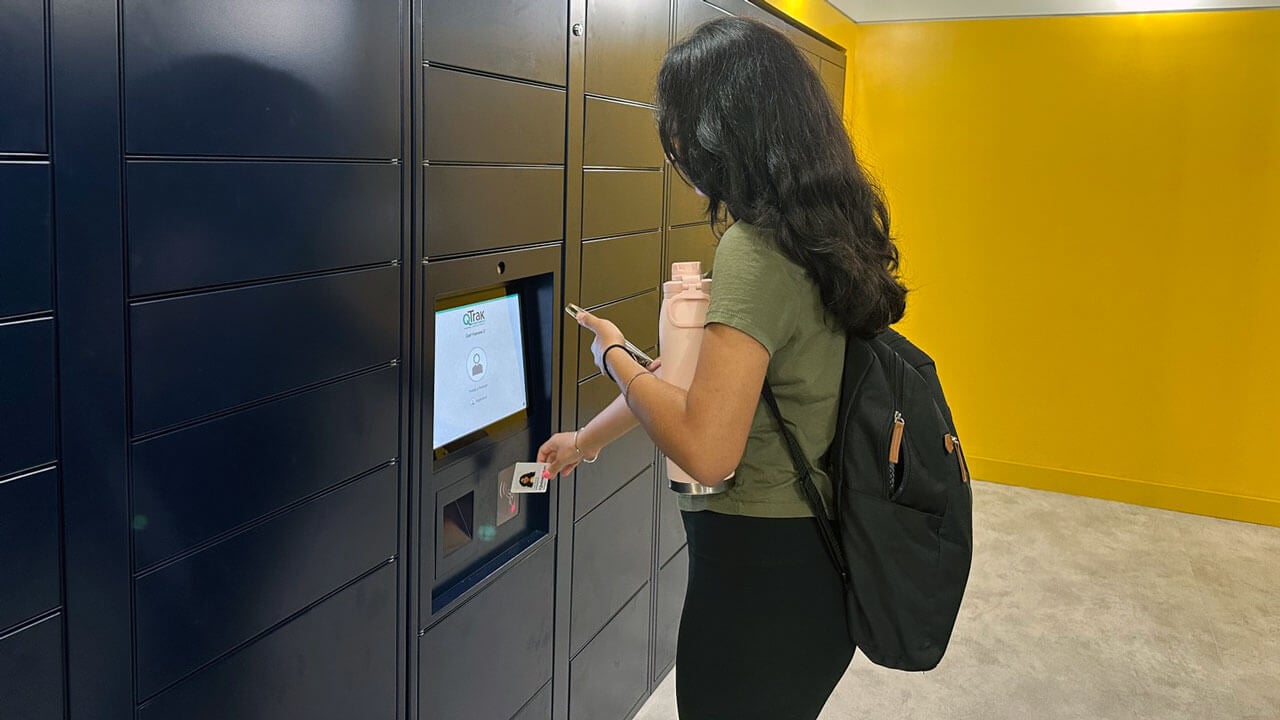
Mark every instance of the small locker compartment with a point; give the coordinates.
(492, 657)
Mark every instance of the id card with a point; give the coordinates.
(527, 478)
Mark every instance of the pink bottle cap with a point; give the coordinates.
(686, 269)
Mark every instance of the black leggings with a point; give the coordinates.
(763, 633)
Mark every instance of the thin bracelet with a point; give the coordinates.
(581, 454)
(626, 392)
(604, 358)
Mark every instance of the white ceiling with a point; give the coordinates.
(889, 10)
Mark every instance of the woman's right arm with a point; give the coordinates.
(610, 424)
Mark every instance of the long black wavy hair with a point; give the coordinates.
(746, 120)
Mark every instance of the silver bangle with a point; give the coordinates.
(581, 454)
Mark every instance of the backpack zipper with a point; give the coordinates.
(899, 427)
(953, 448)
(895, 448)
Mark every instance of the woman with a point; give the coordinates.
(809, 259)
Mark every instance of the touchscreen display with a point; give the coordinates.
(480, 373)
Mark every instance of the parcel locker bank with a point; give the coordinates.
(280, 308)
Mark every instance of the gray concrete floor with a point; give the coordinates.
(1086, 609)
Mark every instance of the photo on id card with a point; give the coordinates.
(527, 478)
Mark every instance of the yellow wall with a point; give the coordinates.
(1089, 211)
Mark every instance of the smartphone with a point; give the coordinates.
(637, 353)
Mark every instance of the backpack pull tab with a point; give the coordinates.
(953, 448)
(895, 439)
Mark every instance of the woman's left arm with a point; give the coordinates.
(704, 429)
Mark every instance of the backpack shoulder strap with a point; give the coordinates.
(807, 486)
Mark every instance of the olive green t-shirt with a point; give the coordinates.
(762, 293)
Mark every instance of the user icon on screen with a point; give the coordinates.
(477, 364)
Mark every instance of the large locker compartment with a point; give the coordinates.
(281, 291)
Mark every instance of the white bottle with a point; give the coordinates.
(685, 299)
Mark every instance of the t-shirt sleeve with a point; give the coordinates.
(753, 289)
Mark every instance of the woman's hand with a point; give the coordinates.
(607, 335)
(560, 455)
(611, 423)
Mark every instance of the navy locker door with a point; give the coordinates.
(263, 78)
(31, 606)
(231, 240)
(22, 40)
(264, 291)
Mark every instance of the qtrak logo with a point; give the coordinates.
(472, 318)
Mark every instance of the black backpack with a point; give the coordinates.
(902, 538)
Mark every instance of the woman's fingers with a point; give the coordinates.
(587, 320)
(544, 452)
(556, 467)
(560, 455)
